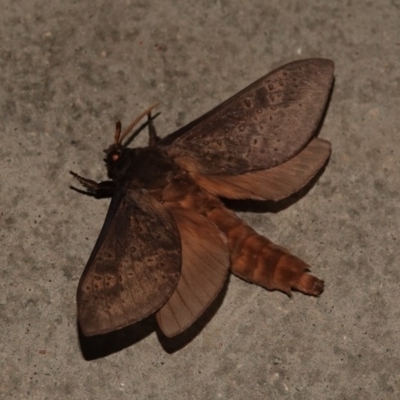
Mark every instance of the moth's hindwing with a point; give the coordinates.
(275, 183)
(205, 266)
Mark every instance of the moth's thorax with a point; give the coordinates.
(145, 167)
(182, 192)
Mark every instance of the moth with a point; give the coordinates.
(168, 242)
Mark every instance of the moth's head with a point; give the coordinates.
(115, 152)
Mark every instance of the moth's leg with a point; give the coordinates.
(153, 138)
(99, 189)
(256, 259)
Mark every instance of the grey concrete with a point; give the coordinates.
(68, 70)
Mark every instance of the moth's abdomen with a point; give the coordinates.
(256, 259)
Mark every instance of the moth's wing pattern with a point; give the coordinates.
(263, 126)
(275, 183)
(205, 266)
(134, 267)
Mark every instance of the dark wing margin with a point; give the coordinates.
(261, 127)
(134, 267)
(205, 266)
(275, 183)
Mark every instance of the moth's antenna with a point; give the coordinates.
(117, 132)
(120, 137)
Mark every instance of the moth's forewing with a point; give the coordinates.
(261, 127)
(205, 266)
(134, 267)
(275, 183)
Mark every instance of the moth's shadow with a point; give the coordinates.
(93, 347)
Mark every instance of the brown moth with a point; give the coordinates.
(168, 242)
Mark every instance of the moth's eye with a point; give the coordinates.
(114, 155)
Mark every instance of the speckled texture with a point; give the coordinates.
(69, 70)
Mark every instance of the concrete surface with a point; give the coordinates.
(68, 70)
